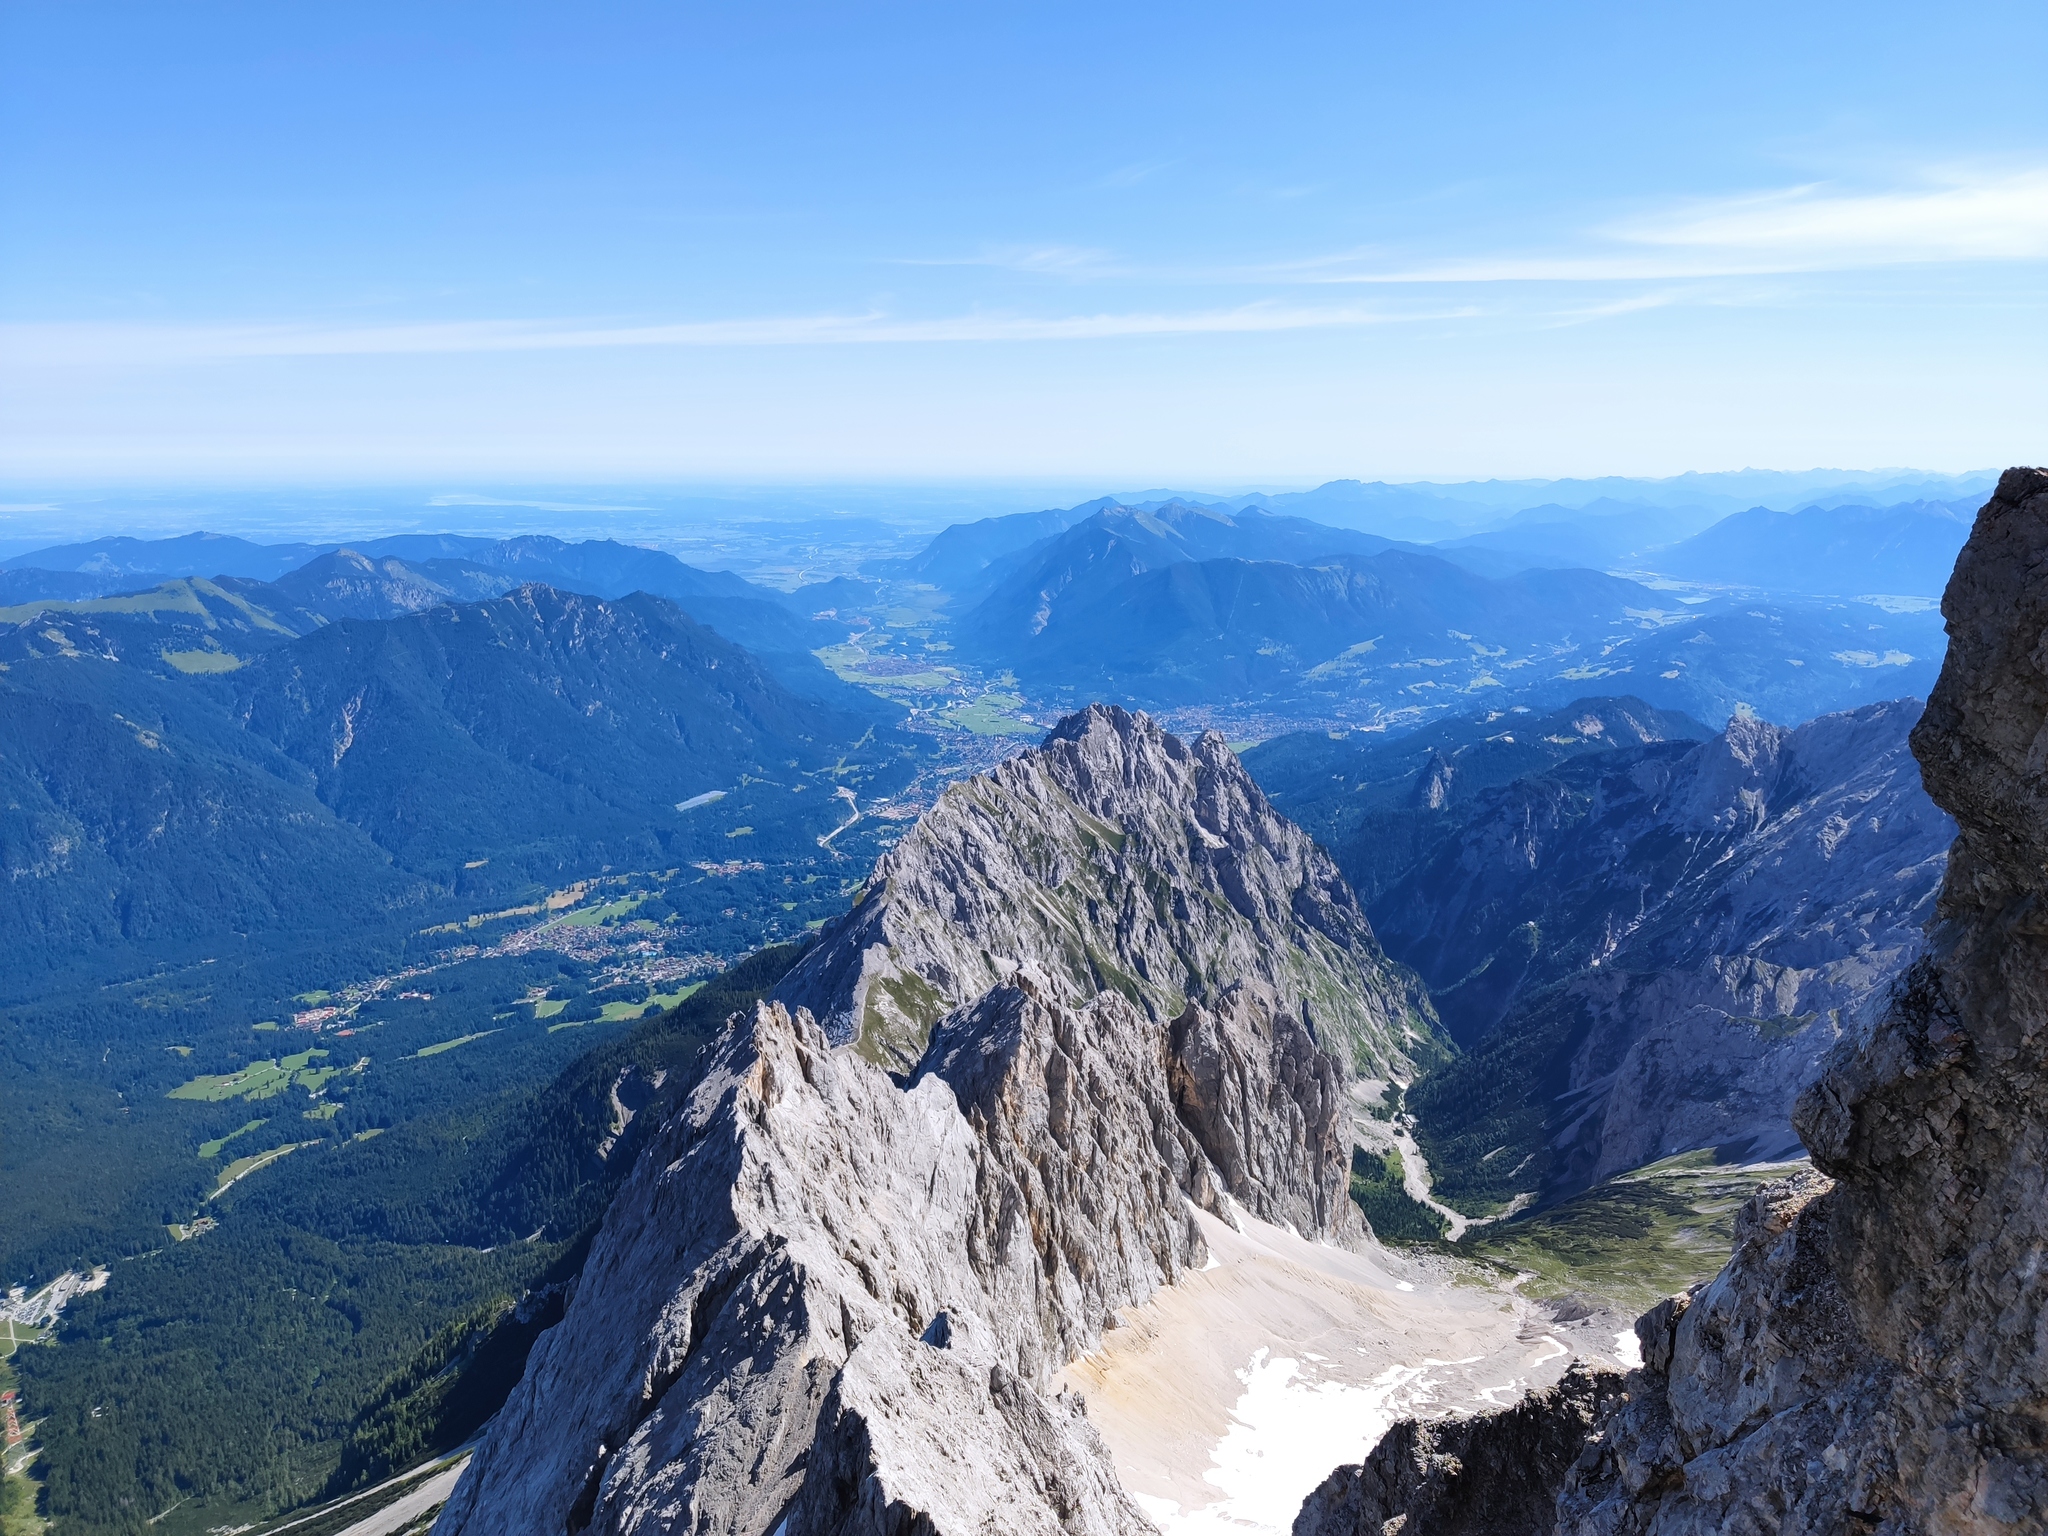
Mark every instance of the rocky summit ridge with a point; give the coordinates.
(1874, 1356)
(1115, 857)
(836, 1289)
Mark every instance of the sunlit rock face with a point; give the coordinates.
(1115, 857)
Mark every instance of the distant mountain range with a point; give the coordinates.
(1181, 605)
(248, 600)
(162, 788)
(1383, 803)
(1843, 551)
(1831, 545)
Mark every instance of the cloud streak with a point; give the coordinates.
(1810, 228)
(58, 344)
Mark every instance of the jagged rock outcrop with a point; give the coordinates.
(1754, 1406)
(827, 1299)
(1114, 857)
(1874, 1357)
(1494, 1474)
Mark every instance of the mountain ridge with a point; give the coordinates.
(1114, 857)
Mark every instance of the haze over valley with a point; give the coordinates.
(1045, 771)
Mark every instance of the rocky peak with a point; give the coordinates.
(1983, 741)
(1113, 857)
(833, 1298)
(825, 1301)
(1433, 783)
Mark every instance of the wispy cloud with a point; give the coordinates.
(1130, 175)
(1058, 260)
(1810, 228)
(1984, 219)
(91, 344)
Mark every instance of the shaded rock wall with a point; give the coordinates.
(1494, 1474)
(1665, 942)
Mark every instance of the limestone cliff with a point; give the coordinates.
(831, 1300)
(1874, 1357)
(1113, 857)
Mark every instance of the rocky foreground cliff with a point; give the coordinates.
(835, 1291)
(1874, 1357)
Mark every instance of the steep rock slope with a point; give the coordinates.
(827, 1302)
(1382, 804)
(1872, 1358)
(1113, 857)
(1650, 950)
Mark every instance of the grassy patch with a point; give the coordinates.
(212, 1148)
(13, 1335)
(590, 917)
(324, 1111)
(258, 1080)
(548, 1007)
(857, 666)
(449, 1045)
(1378, 1188)
(201, 663)
(242, 1167)
(993, 714)
(1634, 1239)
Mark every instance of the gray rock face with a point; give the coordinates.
(1113, 858)
(1874, 1357)
(1666, 941)
(1494, 1474)
(1752, 1410)
(824, 1301)
(1267, 1106)
(1473, 1475)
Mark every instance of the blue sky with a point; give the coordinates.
(1249, 244)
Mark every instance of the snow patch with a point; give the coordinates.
(1287, 1433)
(1628, 1349)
